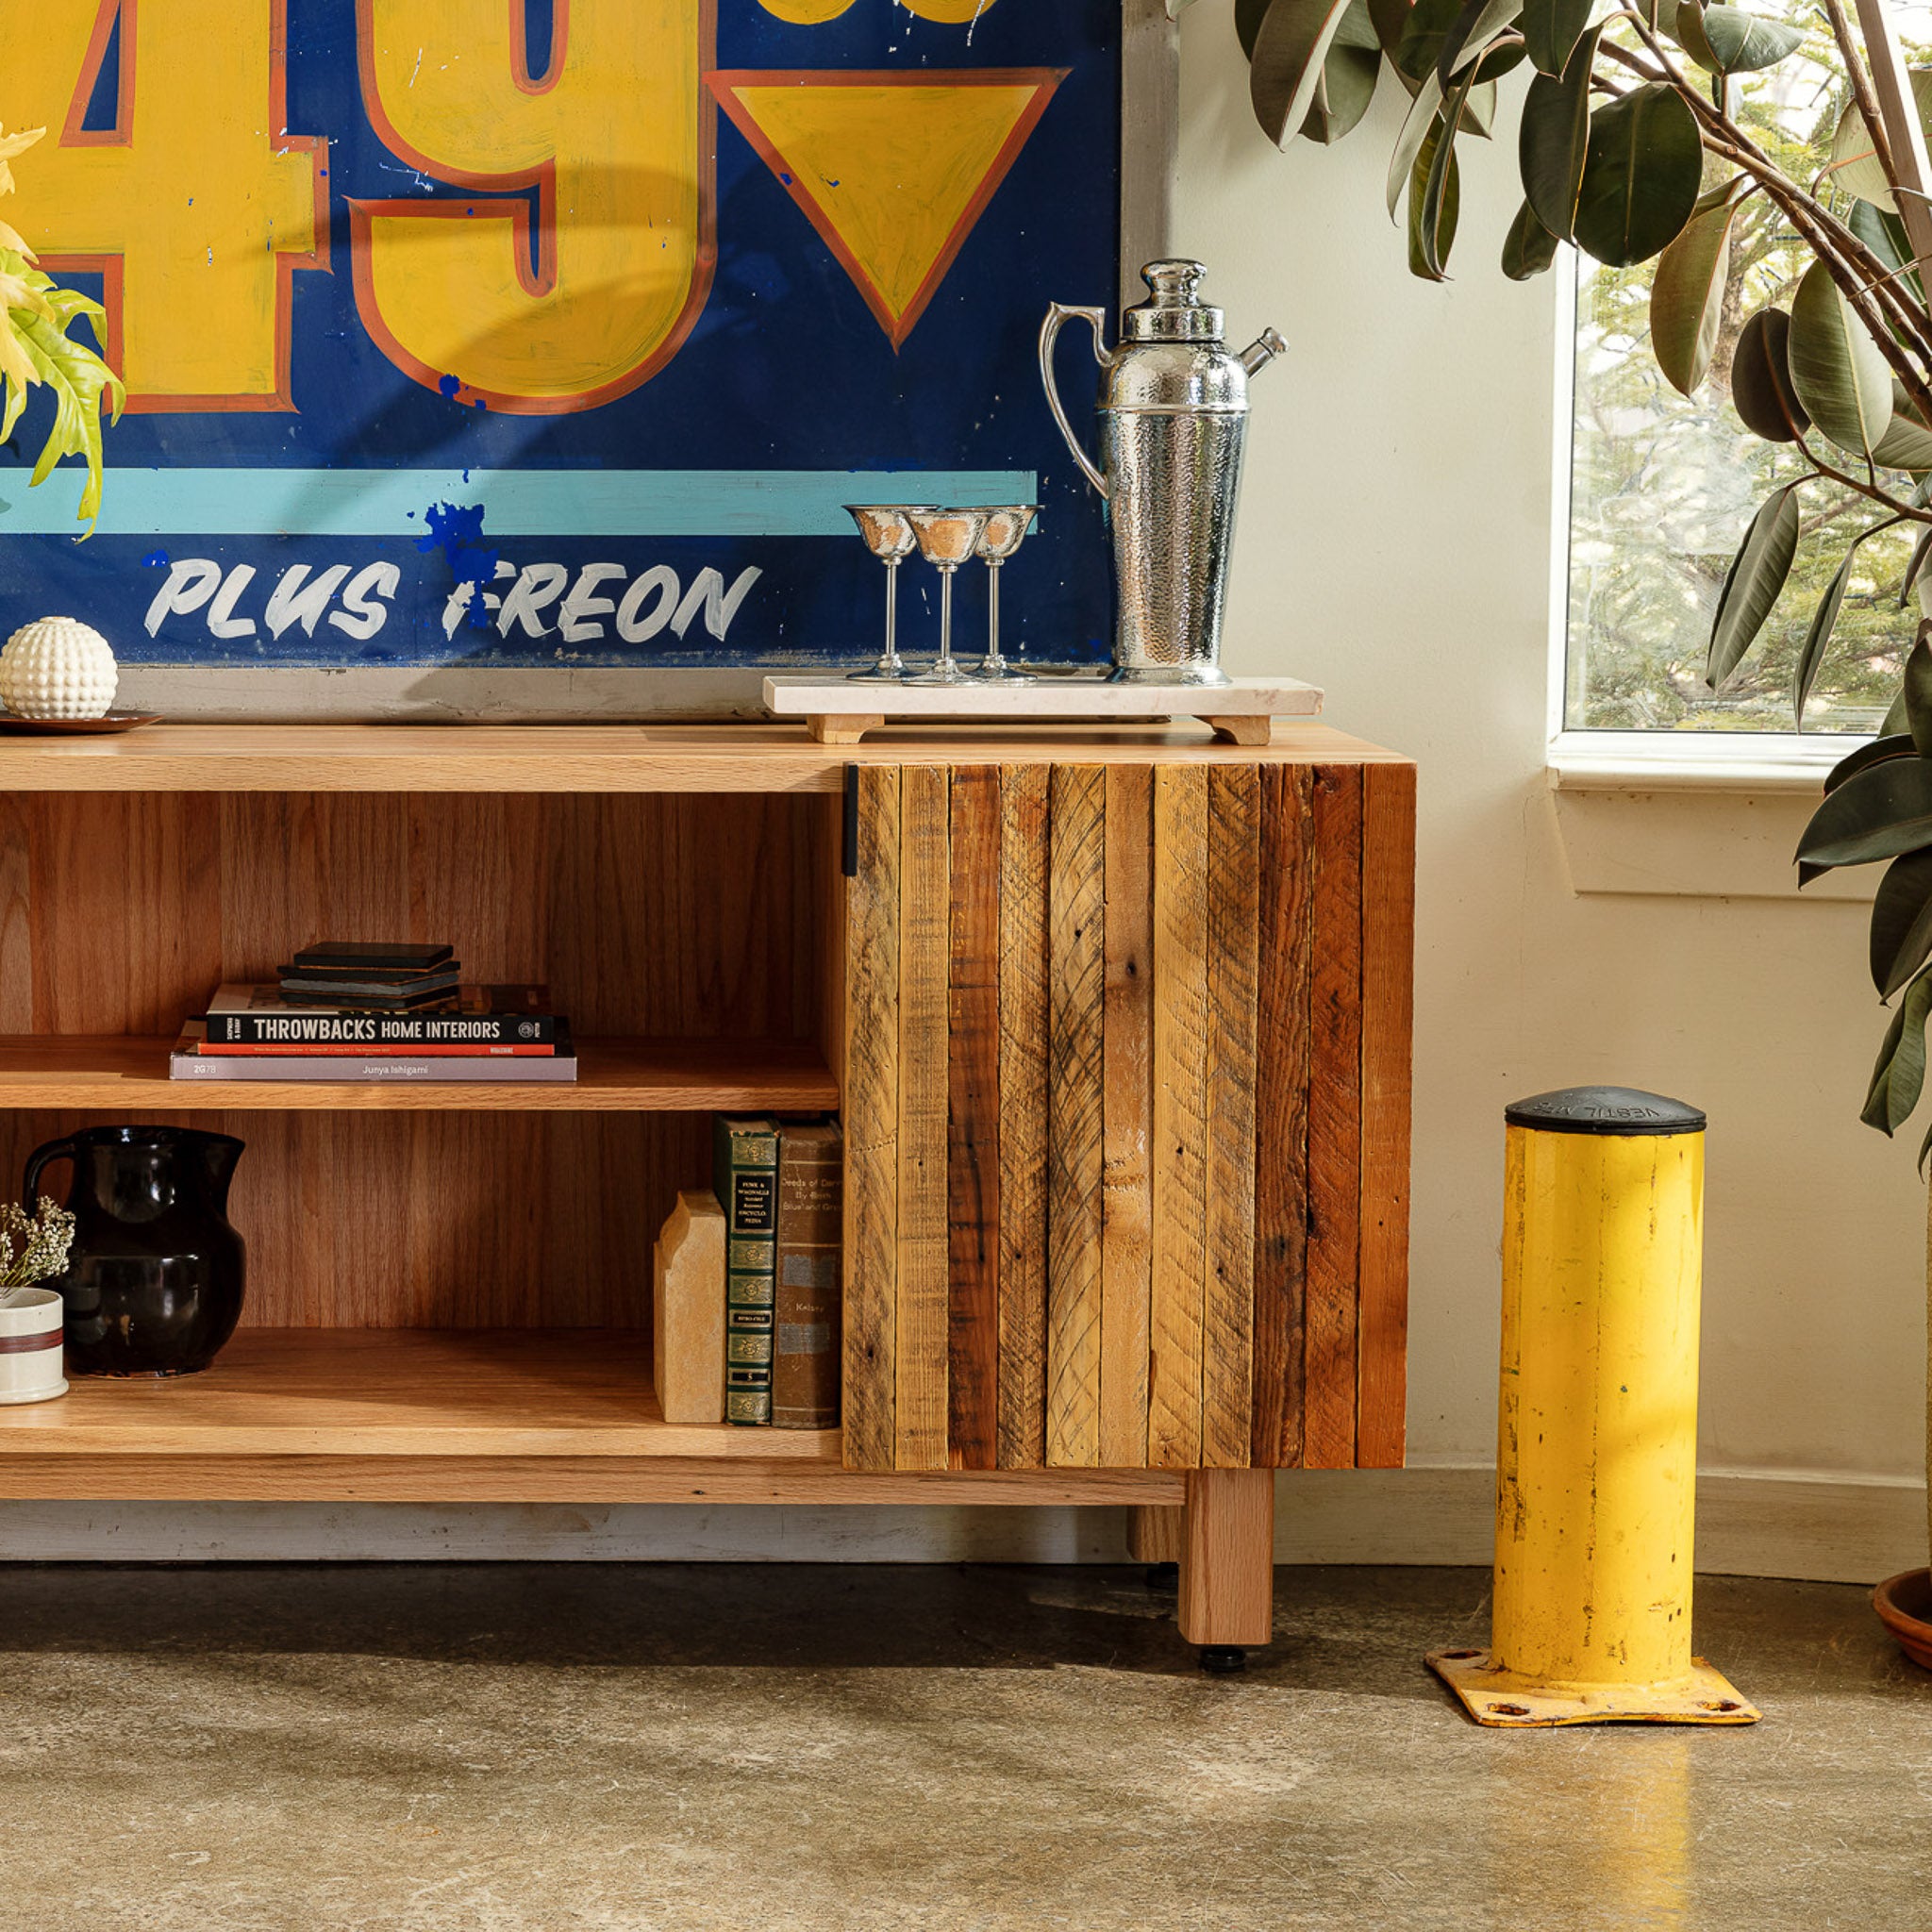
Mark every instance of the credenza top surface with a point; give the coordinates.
(690, 758)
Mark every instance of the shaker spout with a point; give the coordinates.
(1262, 351)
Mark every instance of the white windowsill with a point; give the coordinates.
(1673, 815)
(1757, 763)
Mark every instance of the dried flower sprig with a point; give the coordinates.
(33, 1247)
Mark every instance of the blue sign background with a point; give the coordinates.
(786, 400)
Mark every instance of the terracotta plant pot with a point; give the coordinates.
(1904, 1603)
(30, 1353)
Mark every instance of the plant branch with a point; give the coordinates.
(1861, 90)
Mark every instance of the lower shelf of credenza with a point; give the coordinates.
(426, 1415)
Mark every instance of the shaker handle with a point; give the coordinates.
(1057, 315)
(42, 1157)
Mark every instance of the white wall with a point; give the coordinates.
(1395, 547)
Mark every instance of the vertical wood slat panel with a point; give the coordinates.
(1335, 1086)
(871, 1126)
(1076, 894)
(1281, 1127)
(973, 1132)
(1022, 1000)
(1127, 1221)
(1228, 1335)
(1388, 1000)
(920, 1325)
(1180, 1114)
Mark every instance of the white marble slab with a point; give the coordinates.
(1075, 696)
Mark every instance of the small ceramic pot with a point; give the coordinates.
(1904, 1603)
(30, 1355)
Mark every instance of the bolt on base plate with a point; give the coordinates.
(1501, 1699)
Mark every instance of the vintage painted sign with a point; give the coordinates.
(534, 332)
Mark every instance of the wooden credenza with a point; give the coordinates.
(1117, 1023)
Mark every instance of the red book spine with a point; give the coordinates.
(366, 1052)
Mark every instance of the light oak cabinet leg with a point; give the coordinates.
(1228, 1558)
(1154, 1533)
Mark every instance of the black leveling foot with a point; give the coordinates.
(1163, 1576)
(1222, 1659)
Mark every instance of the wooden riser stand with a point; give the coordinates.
(1117, 1022)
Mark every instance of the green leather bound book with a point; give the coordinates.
(745, 1170)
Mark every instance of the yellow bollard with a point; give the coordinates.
(1596, 1455)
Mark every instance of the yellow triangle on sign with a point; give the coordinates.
(894, 170)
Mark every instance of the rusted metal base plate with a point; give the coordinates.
(1498, 1698)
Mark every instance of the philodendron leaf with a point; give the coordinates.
(1899, 1077)
(1896, 744)
(1876, 813)
(1901, 935)
(1286, 68)
(1687, 295)
(1435, 198)
(1552, 144)
(1552, 29)
(1917, 693)
(1726, 40)
(1757, 574)
(1839, 372)
(1824, 620)
(1642, 175)
(1854, 166)
(1528, 248)
(1761, 389)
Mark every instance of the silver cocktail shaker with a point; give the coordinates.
(1173, 418)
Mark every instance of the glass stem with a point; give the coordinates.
(992, 611)
(946, 618)
(891, 655)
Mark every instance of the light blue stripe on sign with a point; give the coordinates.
(517, 503)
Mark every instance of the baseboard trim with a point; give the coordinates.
(1750, 1523)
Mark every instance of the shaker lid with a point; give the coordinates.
(1173, 312)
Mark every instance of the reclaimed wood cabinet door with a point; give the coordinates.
(1126, 1052)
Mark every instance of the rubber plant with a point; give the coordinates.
(1629, 148)
(36, 316)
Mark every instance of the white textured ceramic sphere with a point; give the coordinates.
(57, 667)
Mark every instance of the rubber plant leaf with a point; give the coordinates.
(1687, 297)
(1917, 693)
(1854, 164)
(1552, 29)
(1642, 175)
(1476, 24)
(1839, 372)
(1423, 33)
(1907, 443)
(1391, 17)
(1528, 248)
(1292, 43)
(1896, 744)
(1761, 391)
(1414, 131)
(1893, 722)
(1727, 39)
(1899, 1077)
(1885, 236)
(1750, 585)
(1435, 199)
(1248, 15)
(1552, 144)
(1877, 814)
(1825, 620)
(1343, 96)
(1901, 936)
(1915, 569)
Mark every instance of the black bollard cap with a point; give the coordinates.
(1604, 1110)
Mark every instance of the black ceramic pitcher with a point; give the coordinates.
(155, 1277)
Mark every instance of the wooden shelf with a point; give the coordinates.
(613, 1075)
(444, 1393)
(593, 758)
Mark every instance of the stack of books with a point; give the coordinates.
(361, 1012)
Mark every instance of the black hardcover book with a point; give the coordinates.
(302, 990)
(387, 956)
(483, 1016)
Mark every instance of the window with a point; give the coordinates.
(1662, 486)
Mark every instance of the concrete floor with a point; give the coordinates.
(496, 1748)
